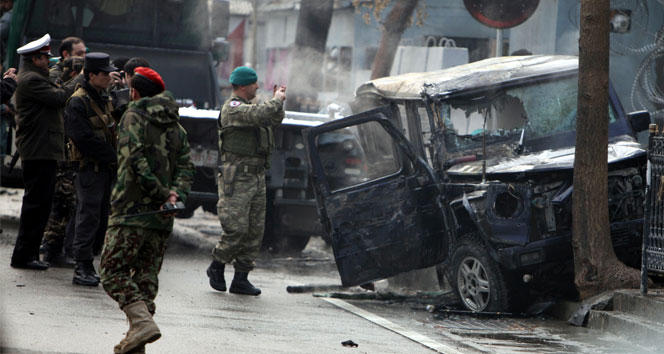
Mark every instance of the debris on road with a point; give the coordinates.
(349, 343)
(602, 301)
(298, 289)
(420, 297)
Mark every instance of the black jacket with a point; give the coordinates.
(7, 88)
(79, 129)
(39, 105)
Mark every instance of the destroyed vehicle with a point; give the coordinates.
(291, 216)
(470, 168)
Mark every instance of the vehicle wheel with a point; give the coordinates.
(476, 278)
(187, 212)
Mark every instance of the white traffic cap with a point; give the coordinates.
(41, 45)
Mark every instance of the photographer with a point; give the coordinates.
(118, 77)
(245, 141)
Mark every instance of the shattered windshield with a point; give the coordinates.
(512, 116)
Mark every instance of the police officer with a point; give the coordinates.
(91, 128)
(154, 168)
(40, 143)
(245, 143)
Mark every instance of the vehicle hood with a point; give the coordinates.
(546, 160)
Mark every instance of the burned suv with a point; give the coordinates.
(470, 168)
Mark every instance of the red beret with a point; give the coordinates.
(150, 75)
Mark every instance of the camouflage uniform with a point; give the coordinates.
(55, 72)
(63, 205)
(153, 159)
(241, 206)
(62, 208)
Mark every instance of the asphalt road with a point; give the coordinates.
(42, 312)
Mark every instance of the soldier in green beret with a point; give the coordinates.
(245, 142)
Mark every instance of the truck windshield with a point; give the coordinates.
(538, 110)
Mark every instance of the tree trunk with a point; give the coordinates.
(305, 76)
(253, 29)
(393, 26)
(596, 267)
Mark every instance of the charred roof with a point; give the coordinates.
(492, 71)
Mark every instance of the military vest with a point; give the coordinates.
(247, 141)
(103, 124)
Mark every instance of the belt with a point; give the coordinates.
(255, 169)
(68, 164)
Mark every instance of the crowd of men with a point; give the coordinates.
(101, 149)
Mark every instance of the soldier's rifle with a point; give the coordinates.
(166, 208)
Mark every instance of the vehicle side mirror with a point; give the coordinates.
(639, 120)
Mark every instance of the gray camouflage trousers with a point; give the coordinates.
(242, 218)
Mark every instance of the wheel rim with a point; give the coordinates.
(473, 284)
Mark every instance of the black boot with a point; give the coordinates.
(84, 274)
(55, 258)
(241, 285)
(216, 274)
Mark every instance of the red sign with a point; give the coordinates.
(501, 13)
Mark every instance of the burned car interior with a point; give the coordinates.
(471, 168)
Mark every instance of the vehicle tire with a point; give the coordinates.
(187, 212)
(476, 278)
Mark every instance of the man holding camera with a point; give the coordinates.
(154, 168)
(63, 207)
(245, 142)
(70, 47)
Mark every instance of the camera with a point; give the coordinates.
(173, 207)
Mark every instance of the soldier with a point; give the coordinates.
(154, 168)
(71, 67)
(245, 143)
(70, 47)
(64, 199)
(91, 128)
(40, 143)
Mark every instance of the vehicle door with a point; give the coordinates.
(380, 203)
